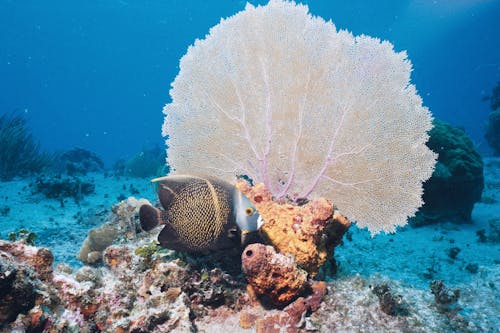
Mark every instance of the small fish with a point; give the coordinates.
(199, 214)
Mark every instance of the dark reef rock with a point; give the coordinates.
(494, 234)
(492, 134)
(78, 161)
(147, 163)
(59, 187)
(495, 97)
(17, 288)
(457, 182)
(444, 297)
(390, 303)
(453, 252)
(472, 268)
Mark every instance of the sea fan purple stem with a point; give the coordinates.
(265, 172)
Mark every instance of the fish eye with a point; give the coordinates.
(249, 211)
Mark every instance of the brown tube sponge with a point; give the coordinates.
(308, 232)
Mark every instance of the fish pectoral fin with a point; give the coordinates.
(169, 238)
(149, 217)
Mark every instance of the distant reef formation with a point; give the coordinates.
(78, 162)
(492, 134)
(493, 131)
(457, 182)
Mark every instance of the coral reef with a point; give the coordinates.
(78, 162)
(27, 236)
(17, 288)
(494, 98)
(40, 259)
(444, 297)
(123, 223)
(147, 163)
(308, 232)
(390, 303)
(127, 294)
(290, 319)
(26, 298)
(457, 182)
(20, 154)
(272, 275)
(60, 187)
(492, 134)
(140, 288)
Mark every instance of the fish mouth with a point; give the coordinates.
(249, 237)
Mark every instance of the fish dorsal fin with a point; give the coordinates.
(170, 186)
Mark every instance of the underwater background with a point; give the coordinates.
(88, 81)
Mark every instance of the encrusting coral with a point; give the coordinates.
(124, 223)
(128, 293)
(308, 232)
(272, 275)
(291, 319)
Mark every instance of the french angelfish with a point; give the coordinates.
(200, 214)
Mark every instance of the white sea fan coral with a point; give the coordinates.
(283, 97)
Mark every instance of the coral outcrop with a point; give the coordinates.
(300, 239)
(308, 232)
(26, 299)
(79, 162)
(149, 162)
(492, 134)
(123, 223)
(17, 288)
(272, 275)
(39, 258)
(61, 187)
(290, 319)
(457, 182)
(127, 294)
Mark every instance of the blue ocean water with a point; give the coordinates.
(96, 74)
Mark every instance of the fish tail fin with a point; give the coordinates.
(149, 217)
